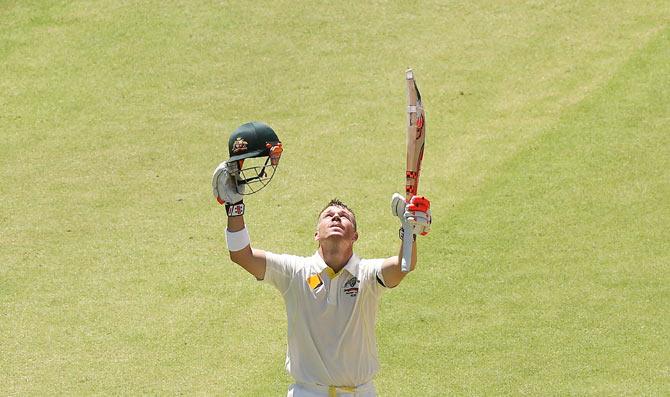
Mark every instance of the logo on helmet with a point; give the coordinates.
(240, 145)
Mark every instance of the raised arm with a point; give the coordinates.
(415, 215)
(249, 142)
(237, 237)
(251, 259)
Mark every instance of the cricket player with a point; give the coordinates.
(331, 297)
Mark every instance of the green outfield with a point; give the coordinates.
(547, 271)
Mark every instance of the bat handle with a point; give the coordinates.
(407, 240)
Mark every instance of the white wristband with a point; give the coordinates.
(237, 240)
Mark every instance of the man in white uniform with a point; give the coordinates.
(332, 297)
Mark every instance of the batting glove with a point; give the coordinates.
(226, 189)
(415, 213)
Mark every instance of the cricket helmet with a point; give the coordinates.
(254, 150)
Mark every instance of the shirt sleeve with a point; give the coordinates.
(373, 273)
(280, 270)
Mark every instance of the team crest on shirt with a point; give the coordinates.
(351, 287)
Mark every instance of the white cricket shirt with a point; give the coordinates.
(331, 317)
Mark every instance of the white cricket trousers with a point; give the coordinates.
(313, 390)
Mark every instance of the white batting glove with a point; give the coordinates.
(398, 205)
(415, 214)
(224, 185)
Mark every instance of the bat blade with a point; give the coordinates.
(416, 138)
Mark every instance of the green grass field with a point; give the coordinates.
(547, 163)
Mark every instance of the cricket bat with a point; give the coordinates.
(416, 138)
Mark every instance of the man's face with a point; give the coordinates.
(336, 222)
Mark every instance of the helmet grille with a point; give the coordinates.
(255, 174)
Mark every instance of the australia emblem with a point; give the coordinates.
(240, 145)
(351, 287)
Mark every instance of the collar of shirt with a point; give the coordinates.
(351, 266)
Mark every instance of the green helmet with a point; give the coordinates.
(252, 139)
(254, 151)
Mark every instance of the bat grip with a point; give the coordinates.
(407, 240)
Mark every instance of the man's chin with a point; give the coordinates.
(336, 235)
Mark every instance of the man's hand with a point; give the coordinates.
(416, 213)
(415, 218)
(224, 185)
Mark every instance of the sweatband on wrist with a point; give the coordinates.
(236, 209)
(237, 240)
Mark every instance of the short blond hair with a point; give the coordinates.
(338, 203)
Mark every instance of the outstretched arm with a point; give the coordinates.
(415, 215)
(226, 192)
(391, 271)
(252, 260)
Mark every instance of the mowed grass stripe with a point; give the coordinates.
(464, 298)
(559, 278)
(114, 271)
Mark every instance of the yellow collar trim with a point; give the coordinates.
(351, 266)
(331, 273)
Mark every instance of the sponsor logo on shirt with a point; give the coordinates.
(314, 281)
(351, 287)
